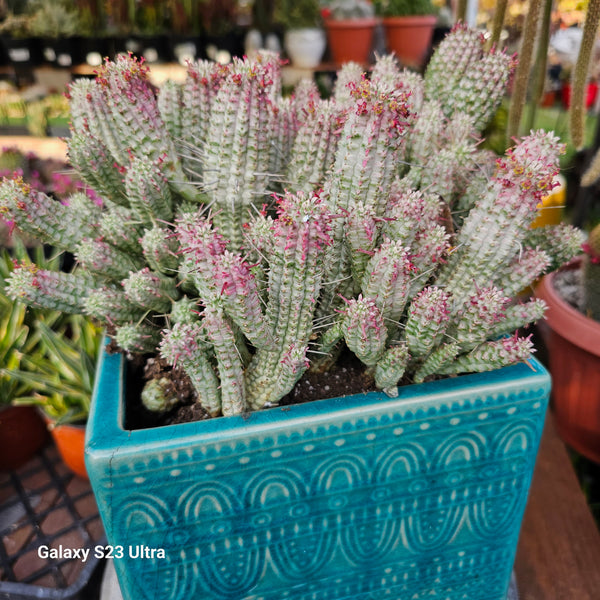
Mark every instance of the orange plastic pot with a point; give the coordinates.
(70, 441)
(350, 40)
(409, 38)
(573, 343)
(22, 434)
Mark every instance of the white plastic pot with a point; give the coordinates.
(305, 47)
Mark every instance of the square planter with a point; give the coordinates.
(359, 497)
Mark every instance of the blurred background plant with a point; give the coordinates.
(47, 358)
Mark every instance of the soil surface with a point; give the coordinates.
(347, 376)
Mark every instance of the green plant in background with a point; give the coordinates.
(18, 337)
(351, 9)
(53, 19)
(60, 371)
(47, 358)
(193, 258)
(15, 25)
(404, 8)
(297, 14)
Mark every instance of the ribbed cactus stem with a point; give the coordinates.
(368, 148)
(239, 295)
(386, 72)
(150, 290)
(391, 367)
(517, 316)
(110, 305)
(160, 249)
(364, 329)
(286, 130)
(483, 310)
(441, 356)
(560, 242)
(97, 167)
(301, 235)
(492, 234)
(184, 310)
(428, 253)
(495, 355)
(148, 191)
(185, 346)
(102, 258)
(200, 247)
(425, 133)
(366, 162)
(238, 148)
(197, 94)
(521, 79)
(581, 72)
(140, 338)
(387, 279)
(48, 289)
(410, 213)
(313, 146)
(362, 235)
(170, 105)
(92, 115)
(523, 271)
(119, 227)
(134, 108)
(229, 364)
(427, 321)
(349, 75)
(447, 68)
(40, 216)
(483, 87)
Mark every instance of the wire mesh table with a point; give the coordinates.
(43, 505)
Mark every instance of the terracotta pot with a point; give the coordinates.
(409, 37)
(70, 441)
(22, 434)
(351, 40)
(573, 342)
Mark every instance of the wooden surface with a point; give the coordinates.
(558, 557)
(49, 147)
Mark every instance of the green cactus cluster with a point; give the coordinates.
(246, 237)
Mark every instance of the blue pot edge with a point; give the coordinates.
(105, 432)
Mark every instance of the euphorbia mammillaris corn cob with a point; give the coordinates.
(248, 237)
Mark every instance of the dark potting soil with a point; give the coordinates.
(348, 376)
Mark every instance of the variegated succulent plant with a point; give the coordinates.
(247, 237)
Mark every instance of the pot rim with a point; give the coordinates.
(352, 23)
(413, 20)
(565, 320)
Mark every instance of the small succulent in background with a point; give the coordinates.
(250, 251)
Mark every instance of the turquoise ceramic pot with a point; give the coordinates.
(357, 498)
